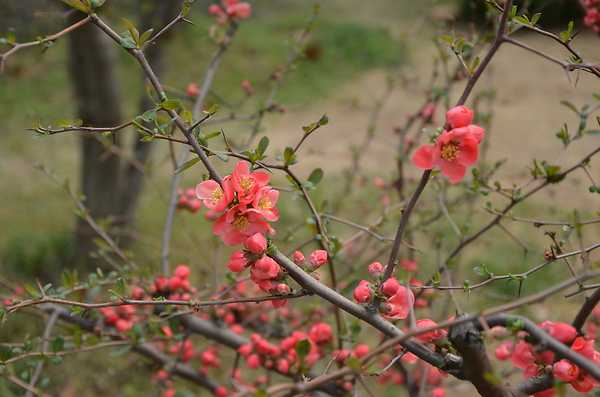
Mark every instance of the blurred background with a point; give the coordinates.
(354, 52)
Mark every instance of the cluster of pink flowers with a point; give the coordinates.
(176, 287)
(455, 149)
(525, 356)
(260, 352)
(592, 14)
(233, 10)
(242, 206)
(187, 200)
(121, 317)
(398, 298)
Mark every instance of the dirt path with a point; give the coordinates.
(527, 115)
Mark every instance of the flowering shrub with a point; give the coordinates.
(252, 335)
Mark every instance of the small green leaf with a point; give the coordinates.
(354, 364)
(535, 18)
(214, 108)
(58, 344)
(316, 176)
(302, 348)
(289, 157)
(263, 144)
(170, 104)
(187, 164)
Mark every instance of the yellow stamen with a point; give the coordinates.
(449, 151)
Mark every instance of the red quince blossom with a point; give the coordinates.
(238, 223)
(454, 150)
(523, 355)
(318, 258)
(398, 305)
(562, 332)
(362, 292)
(504, 350)
(230, 9)
(565, 370)
(265, 203)
(430, 336)
(192, 90)
(376, 269)
(257, 243)
(237, 262)
(360, 350)
(265, 269)
(245, 183)
(298, 258)
(320, 333)
(214, 196)
(390, 286)
(409, 265)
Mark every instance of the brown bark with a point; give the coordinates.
(91, 67)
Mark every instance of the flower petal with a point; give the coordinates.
(423, 157)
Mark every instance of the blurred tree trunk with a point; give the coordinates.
(110, 185)
(153, 13)
(92, 70)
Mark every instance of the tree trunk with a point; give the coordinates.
(92, 69)
(153, 13)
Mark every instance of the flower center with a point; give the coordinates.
(246, 183)
(216, 195)
(240, 223)
(264, 203)
(449, 151)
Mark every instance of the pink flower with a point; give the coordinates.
(320, 333)
(257, 243)
(318, 258)
(583, 346)
(504, 350)
(239, 10)
(376, 269)
(283, 366)
(192, 89)
(360, 351)
(237, 262)
(245, 183)
(459, 116)
(399, 304)
(390, 286)
(247, 87)
(379, 182)
(430, 336)
(362, 292)
(583, 384)
(408, 265)
(298, 257)
(523, 355)
(562, 332)
(214, 196)
(438, 392)
(221, 391)
(565, 370)
(238, 223)
(253, 361)
(265, 202)
(453, 152)
(428, 111)
(182, 271)
(265, 269)
(245, 350)
(340, 355)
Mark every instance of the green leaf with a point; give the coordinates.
(354, 364)
(570, 106)
(58, 344)
(535, 18)
(78, 5)
(170, 104)
(128, 43)
(263, 144)
(316, 176)
(565, 36)
(149, 115)
(146, 35)
(187, 164)
(214, 108)
(302, 349)
(289, 157)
